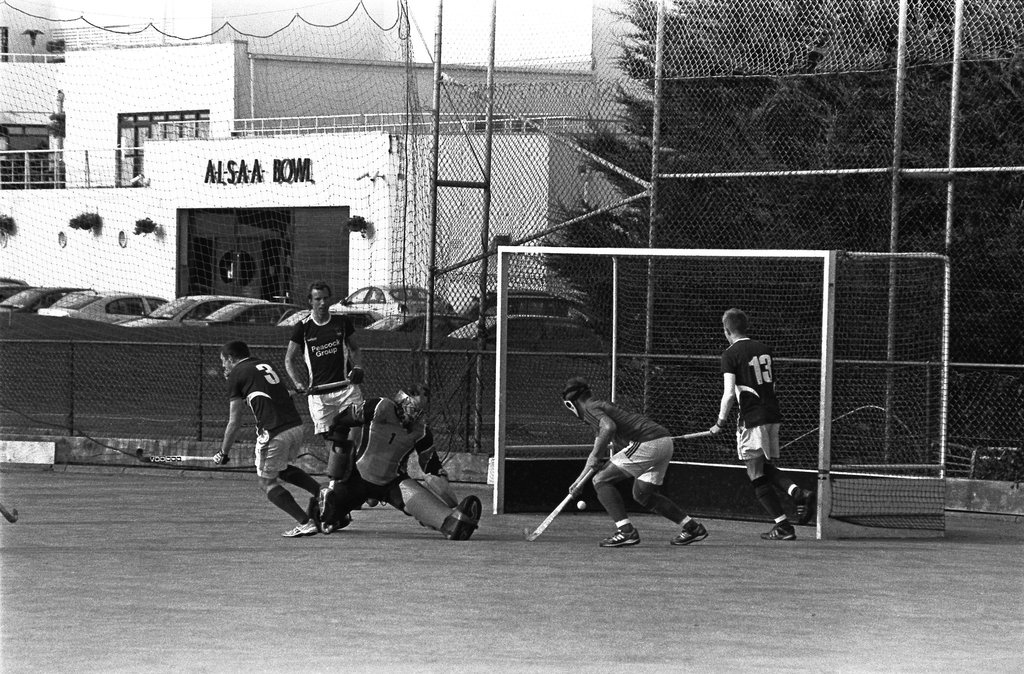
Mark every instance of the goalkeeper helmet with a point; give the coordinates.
(412, 403)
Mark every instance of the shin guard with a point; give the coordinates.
(341, 460)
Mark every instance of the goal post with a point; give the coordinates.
(860, 344)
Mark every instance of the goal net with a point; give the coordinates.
(860, 345)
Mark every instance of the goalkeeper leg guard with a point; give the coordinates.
(422, 504)
(341, 460)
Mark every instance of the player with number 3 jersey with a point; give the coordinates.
(255, 384)
(748, 377)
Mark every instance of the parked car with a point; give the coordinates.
(443, 323)
(538, 333)
(394, 299)
(250, 313)
(359, 318)
(6, 290)
(8, 281)
(34, 299)
(538, 303)
(187, 308)
(106, 307)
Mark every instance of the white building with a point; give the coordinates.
(251, 164)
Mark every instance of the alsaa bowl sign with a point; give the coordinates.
(243, 172)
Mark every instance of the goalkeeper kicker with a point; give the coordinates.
(392, 430)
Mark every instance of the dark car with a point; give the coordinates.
(538, 303)
(443, 323)
(538, 333)
(34, 299)
(248, 313)
(359, 319)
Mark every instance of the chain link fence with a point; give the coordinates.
(860, 125)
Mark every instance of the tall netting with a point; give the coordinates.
(867, 359)
(127, 163)
(226, 164)
(853, 125)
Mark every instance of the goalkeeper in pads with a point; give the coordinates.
(643, 450)
(392, 430)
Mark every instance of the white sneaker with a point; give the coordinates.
(307, 529)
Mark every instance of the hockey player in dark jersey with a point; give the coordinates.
(748, 376)
(256, 384)
(642, 451)
(323, 360)
(392, 430)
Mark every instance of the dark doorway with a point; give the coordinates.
(267, 253)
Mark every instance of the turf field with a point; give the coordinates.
(134, 572)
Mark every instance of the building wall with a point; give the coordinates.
(100, 85)
(341, 167)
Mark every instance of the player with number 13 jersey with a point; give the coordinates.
(751, 362)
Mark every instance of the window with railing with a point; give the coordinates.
(135, 128)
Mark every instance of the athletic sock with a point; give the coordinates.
(300, 478)
(779, 479)
(624, 525)
(611, 499)
(284, 500)
(664, 506)
(765, 491)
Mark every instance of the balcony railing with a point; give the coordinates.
(68, 169)
(388, 122)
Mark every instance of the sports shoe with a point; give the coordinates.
(621, 539)
(783, 531)
(805, 504)
(307, 529)
(691, 533)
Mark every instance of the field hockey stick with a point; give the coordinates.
(693, 436)
(532, 536)
(9, 515)
(177, 458)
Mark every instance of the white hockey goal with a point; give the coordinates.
(860, 341)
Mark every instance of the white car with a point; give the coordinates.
(188, 308)
(391, 299)
(105, 307)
